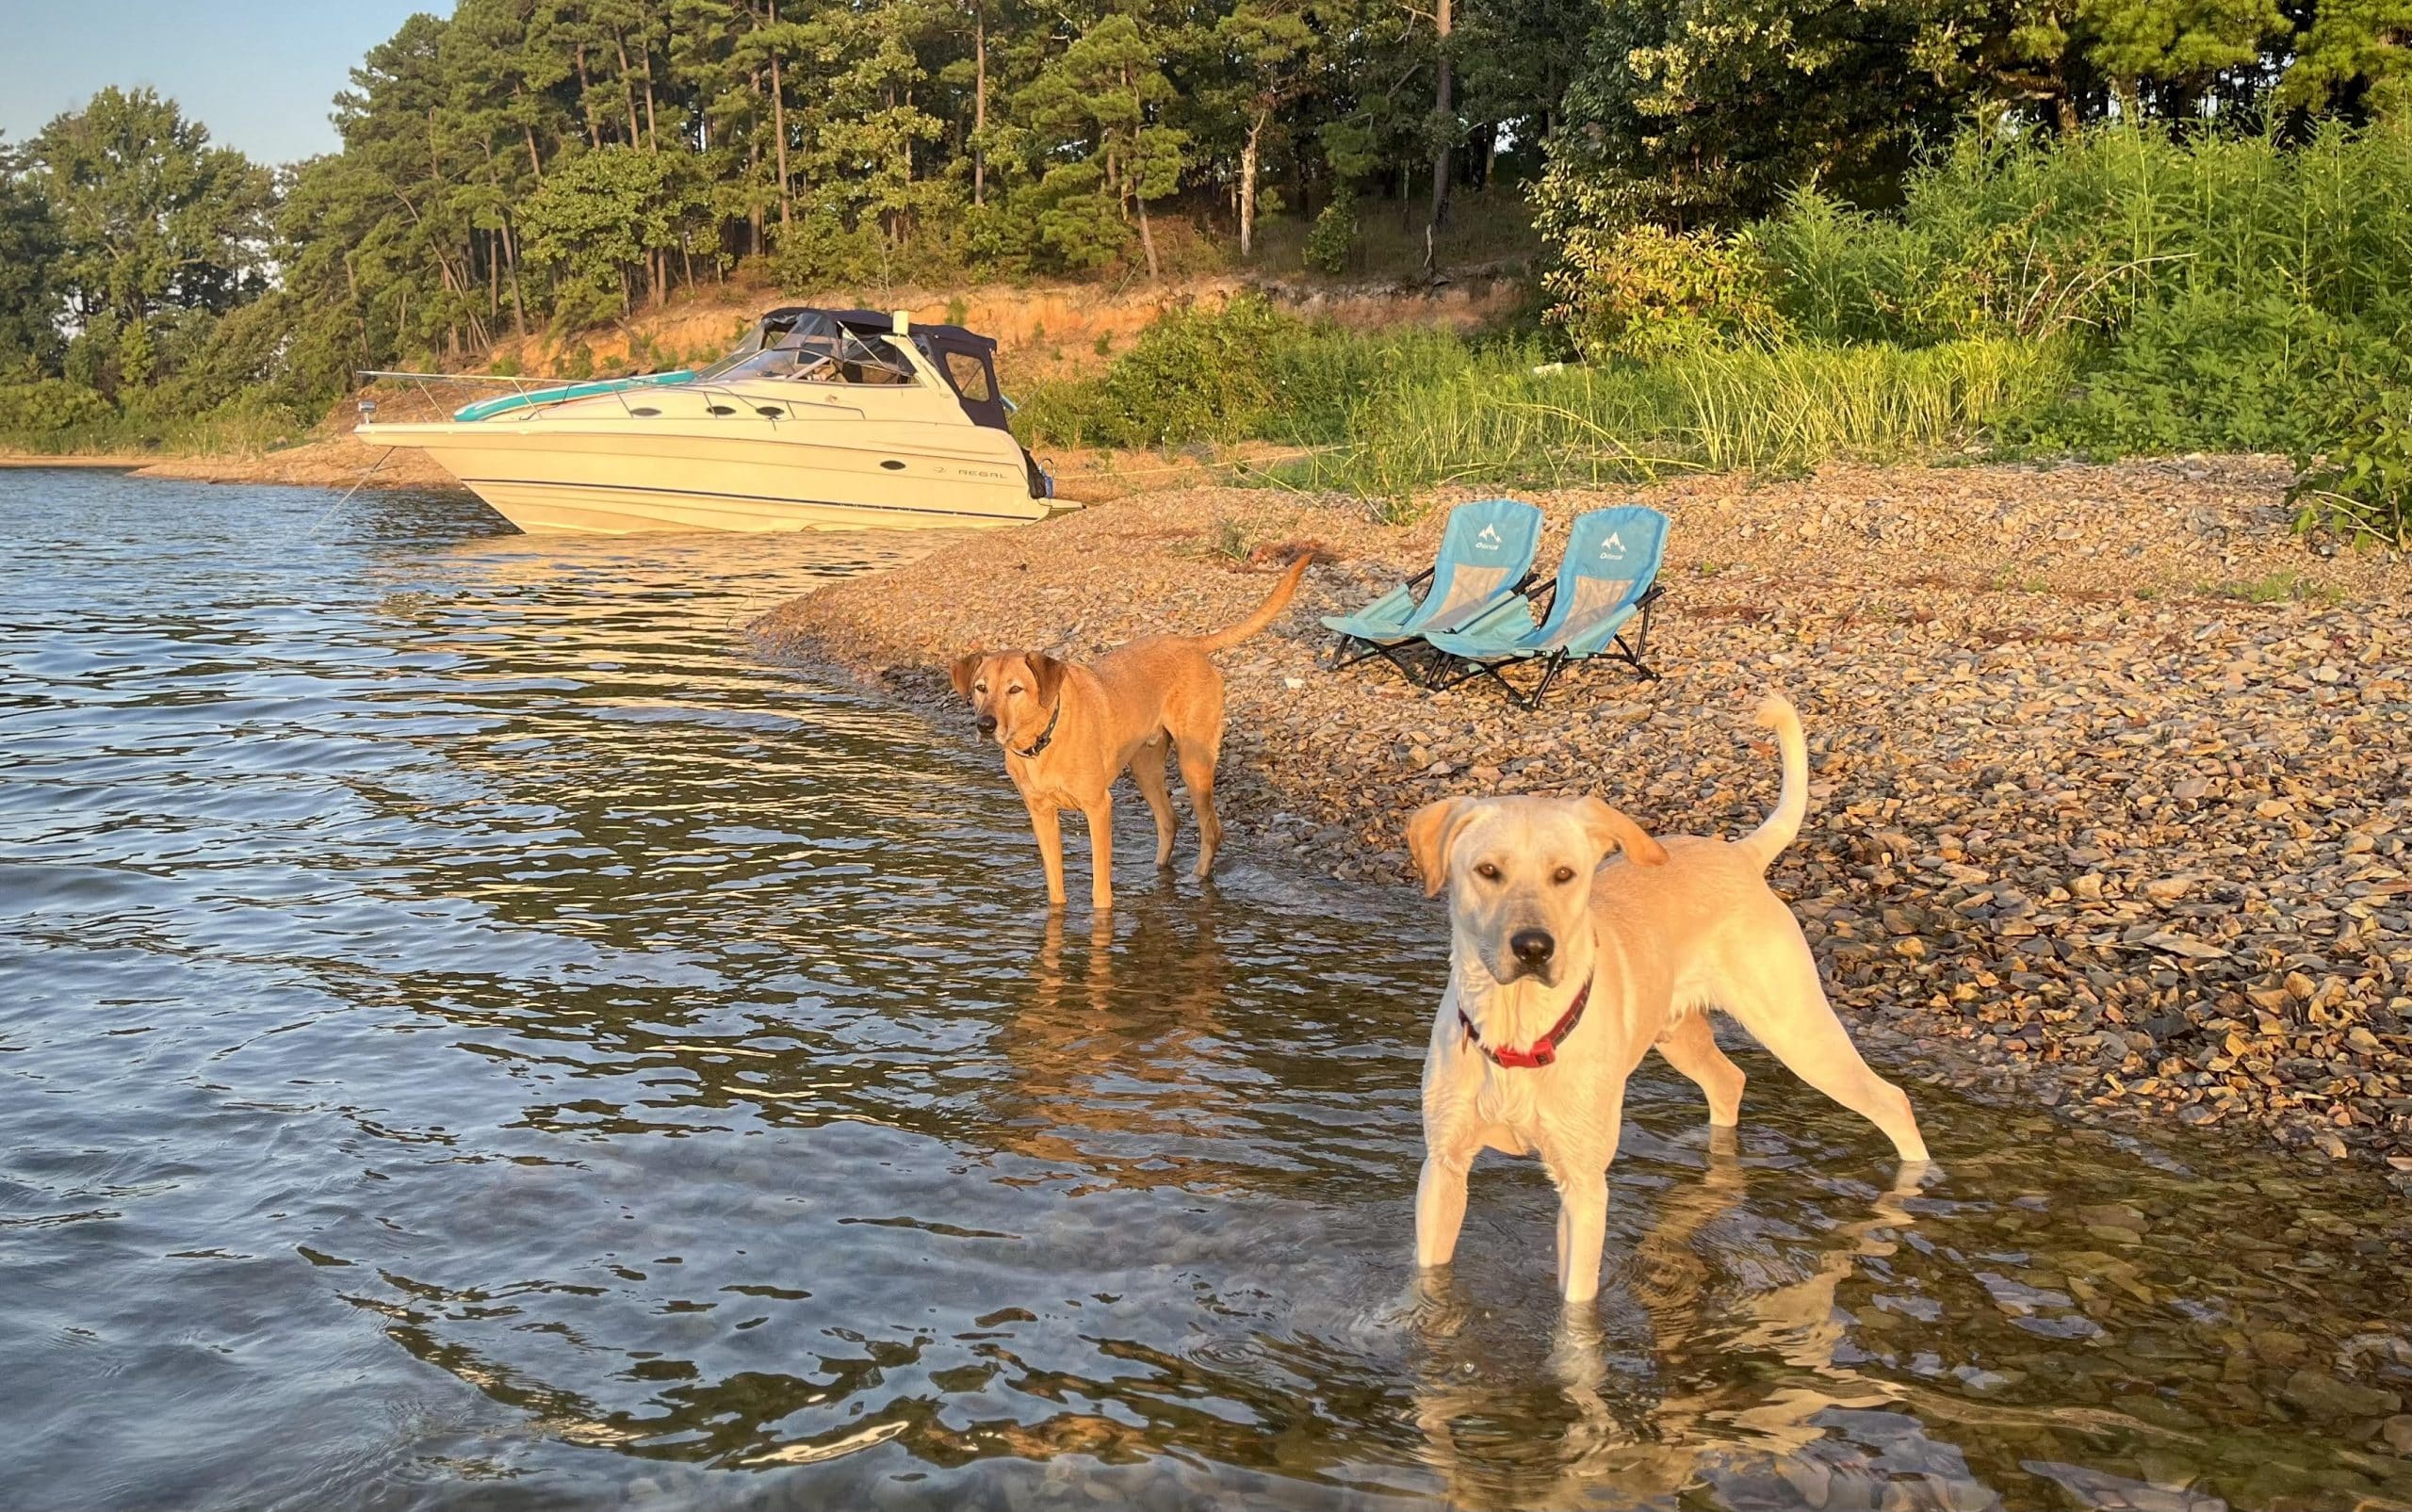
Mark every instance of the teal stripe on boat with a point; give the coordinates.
(486, 409)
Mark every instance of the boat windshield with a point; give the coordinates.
(816, 354)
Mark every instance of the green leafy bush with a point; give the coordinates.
(1333, 233)
(2363, 487)
(1193, 375)
(821, 251)
(1645, 291)
(49, 405)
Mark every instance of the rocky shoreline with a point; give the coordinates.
(2113, 795)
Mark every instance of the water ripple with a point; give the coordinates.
(472, 1035)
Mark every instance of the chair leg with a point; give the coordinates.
(1633, 654)
(1348, 643)
(1550, 670)
(1404, 659)
(1449, 673)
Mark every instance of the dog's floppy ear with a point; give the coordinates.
(1429, 831)
(1047, 672)
(966, 667)
(1611, 831)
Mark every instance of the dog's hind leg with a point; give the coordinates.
(1194, 719)
(1147, 771)
(1690, 1046)
(1198, 756)
(1785, 1008)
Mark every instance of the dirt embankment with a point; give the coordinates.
(2113, 801)
(1042, 330)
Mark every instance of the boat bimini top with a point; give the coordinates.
(812, 346)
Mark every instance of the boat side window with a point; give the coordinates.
(970, 376)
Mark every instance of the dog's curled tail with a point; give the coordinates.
(1777, 713)
(1275, 602)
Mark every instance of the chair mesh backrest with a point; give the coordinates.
(1468, 589)
(1611, 557)
(1487, 547)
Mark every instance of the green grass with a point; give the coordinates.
(2280, 588)
(1779, 410)
(1390, 413)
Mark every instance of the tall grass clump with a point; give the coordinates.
(1244, 371)
(2223, 292)
(1776, 408)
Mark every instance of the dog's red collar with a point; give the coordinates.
(1544, 1051)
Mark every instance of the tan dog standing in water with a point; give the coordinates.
(1563, 973)
(1070, 730)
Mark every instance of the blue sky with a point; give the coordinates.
(260, 73)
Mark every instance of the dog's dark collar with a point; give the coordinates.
(1544, 1051)
(1046, 737)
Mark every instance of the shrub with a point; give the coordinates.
(1645, 291)
(49, 405)
(1333, 233)
(2363, 487)
(1194, 374)
(821, 251)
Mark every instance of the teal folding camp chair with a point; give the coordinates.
(1607, 578)
(1486, 558)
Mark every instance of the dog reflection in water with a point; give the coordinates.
(1637, 1436)
(1114, 1043)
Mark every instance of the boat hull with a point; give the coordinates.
(561, 476)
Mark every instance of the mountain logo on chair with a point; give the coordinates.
(1489, 540)
(1612, 549)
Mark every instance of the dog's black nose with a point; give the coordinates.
(987, 724)
(1533, 946)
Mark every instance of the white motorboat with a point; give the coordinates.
(822, 419)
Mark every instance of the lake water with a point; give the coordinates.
(472, 1034)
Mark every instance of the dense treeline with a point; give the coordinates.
(555, 163)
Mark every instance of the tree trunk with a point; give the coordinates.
(1248, 183)
(528, 130)
(511, 260)
(585, 103)
(1442, 120)
(980, 103)
(628, 89)
(652, 138)
(777, 114)
(779, 129)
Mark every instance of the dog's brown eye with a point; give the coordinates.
(1015, 689)
(1563, 874)
(978, 687)
(1487, 872)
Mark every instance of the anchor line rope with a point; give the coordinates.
(329, 511)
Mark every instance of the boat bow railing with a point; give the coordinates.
(552, 391)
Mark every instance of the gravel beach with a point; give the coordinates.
(2111, 769)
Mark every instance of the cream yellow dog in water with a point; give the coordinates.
(1563, 973)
